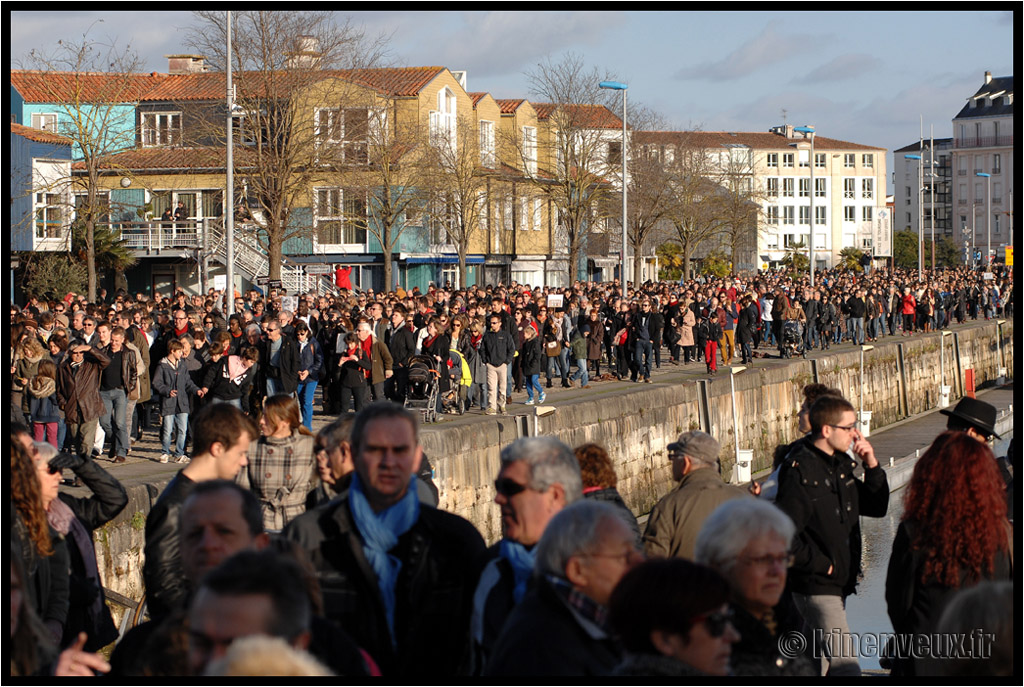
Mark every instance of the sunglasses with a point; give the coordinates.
(509, 487)
(716, 622)
(53, 470)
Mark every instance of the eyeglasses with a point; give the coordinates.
(509, 487)
(848, 428)
(53, 470)
(784, 559)
(716, 622)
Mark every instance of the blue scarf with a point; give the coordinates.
(521, 561)
(380, 532)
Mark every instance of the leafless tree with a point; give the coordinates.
(569, 161)
(739, 206)
(91, 87)
(286, 65)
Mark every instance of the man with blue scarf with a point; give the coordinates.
(539, 477)
(396, 574)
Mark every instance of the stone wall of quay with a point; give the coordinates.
(901, 378)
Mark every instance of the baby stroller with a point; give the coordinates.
(792, 339)
(454, 400)
(422, 389)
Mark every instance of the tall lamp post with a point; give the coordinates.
(617, 86)
(229, 215)
(920, 212)
(810, 239)
(988, 222)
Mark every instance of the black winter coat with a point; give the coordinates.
(166, 589)
(434, 591)
(88, 611)
(825, 500)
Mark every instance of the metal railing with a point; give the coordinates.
(156, 236)
(983, 142)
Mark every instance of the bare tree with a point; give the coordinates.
(569, 162)
(457, 178)
(739, 206)
(92, 87)
(287, 68)
(695, 213)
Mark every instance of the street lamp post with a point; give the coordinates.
(617, 86)
(229, 214)
(810, 241)
(733, 371)
(988, 222)
(864, 426)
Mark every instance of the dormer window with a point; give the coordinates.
(161, 129)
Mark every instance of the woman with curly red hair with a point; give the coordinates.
(954, 534)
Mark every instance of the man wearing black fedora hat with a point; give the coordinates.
(975, 417)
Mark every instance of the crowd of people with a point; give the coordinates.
(332, 548)
(368, 576)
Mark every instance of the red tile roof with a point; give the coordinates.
(756, 140)
(477, 96)
(39, 135)
(583, 116)
(86, 87)
(509, 106)
(170, 159)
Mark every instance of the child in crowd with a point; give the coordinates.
(42, 404)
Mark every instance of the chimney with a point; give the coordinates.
(306, 53)
(185, 64)
(988, 77)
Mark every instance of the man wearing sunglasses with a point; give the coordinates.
(539, 477)
(820, 493)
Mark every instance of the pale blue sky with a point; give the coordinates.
(865, 77)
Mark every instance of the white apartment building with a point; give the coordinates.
(983, 145)
(843, 188)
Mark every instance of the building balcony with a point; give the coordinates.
(983, 142)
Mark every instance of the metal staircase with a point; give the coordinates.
(252, 260)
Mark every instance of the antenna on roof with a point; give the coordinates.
(784, 115)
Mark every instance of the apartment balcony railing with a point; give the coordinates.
(983, 142)
(157, 236)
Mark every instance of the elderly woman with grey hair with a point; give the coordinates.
(748, 542)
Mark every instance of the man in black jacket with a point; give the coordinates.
(221, 442)
(559, 628)
(279, 354)
(819, 492)
(413, 617)
(857, 309)
(400, 338)
(497, 351)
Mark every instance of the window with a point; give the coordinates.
(773, 159)
(773, 214)
(443, 121)
(819, 160)
(867, 188)
(45, 121)
(849, 160)
(849, 188)
(997, 164)
(805, 214)
(535, 218)
(908, 194)
(614, 155)
(866, 213)
(487, 156)
(787, 159)
(348, 128)
(340, 216)
(787, 214)
(868, 160)
(442, 216)
(670, 155)
(849, 213)
(995, 223)
(161, 128)
(820, 188)
(819, 214)
(773, 187)
(805, 188)
(787, 188)
(49, 215)
(530, 149)
(805, 158)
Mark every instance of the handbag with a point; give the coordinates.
(553, 349)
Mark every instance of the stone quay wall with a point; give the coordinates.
(901, 378)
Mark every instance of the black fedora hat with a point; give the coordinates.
(978, 414)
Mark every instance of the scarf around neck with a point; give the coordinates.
(380, 533)
(521, 559)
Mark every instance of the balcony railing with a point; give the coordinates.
(156, 236)
(983, 142)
